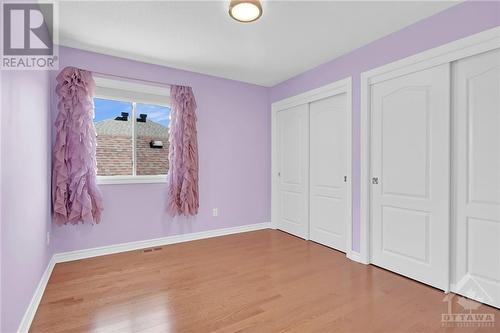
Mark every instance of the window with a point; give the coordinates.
(132, 125)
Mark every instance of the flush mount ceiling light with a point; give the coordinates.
(245, 10)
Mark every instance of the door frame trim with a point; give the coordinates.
(475, 44)
(343, 86)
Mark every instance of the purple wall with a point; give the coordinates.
(457, 22)
(234, 136)
(25, 188)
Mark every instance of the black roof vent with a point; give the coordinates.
(124, 117)
(142, 118)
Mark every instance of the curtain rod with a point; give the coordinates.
(107, 75)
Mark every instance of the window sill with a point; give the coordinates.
(118, 180)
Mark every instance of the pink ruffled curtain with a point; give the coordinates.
(183, 155)
(75, 195)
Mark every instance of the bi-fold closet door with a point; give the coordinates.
(435, 175)
(313, 149)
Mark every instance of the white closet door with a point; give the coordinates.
(293, 161)
(328, 166)
(411, 172)
(477, 168)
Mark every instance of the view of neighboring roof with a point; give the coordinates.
(124, 128)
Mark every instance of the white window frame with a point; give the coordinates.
(134, 93)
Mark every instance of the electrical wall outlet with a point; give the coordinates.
(47, 238)
(215, 212)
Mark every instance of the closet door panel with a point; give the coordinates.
(293, 162)
(477, 177)
(328, 166)
(410, 169)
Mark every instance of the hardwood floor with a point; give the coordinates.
(262, 281)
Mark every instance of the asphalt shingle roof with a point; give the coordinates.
(124, 128)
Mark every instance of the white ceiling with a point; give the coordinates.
(290, 38)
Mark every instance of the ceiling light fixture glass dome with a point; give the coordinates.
(245, 10)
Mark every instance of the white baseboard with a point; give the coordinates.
(356, 256)
(29, 315)
(123, 247)
(25, 324)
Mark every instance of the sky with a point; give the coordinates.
(109, 109)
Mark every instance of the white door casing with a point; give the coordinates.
(293, 170)
(476, 223)
(410, 169)
(329, 164)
